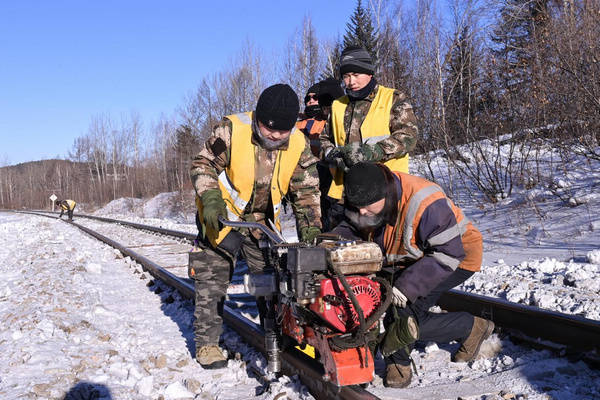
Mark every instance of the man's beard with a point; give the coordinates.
(364, 222)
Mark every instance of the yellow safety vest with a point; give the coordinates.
(237, 180)
(71, 205)
(374, 128)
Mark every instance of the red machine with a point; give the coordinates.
(331, 300)
(327, 296)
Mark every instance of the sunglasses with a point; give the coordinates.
(308, 97)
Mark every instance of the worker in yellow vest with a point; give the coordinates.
(250, 163)
(371, 123)
(68, 206)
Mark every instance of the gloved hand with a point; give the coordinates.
(399, 299)
(213, 206)
(334, 159)
(309, 233)
(356, 152)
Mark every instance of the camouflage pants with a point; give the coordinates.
(211, 269)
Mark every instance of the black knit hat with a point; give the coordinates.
(278, 107)
(356, 59)
(313, 89)
(329, 90)
(364, 184)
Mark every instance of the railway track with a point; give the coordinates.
(163, 253)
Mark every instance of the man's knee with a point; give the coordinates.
(207, 265)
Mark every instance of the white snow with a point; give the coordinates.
(77, 316)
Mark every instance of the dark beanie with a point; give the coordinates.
(364, 184)
(356, 59)
(329, 90)
(314, 88)
(278, 107)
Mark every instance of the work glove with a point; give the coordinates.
(334, 159)
(309, 233)
(402, 333)
(356, 152)
(398, 298)
(213, 206)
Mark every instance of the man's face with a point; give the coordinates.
(368, 217)
(272, 139)
(312, 99)
(355, 80)
(372, 209)
(273, 134)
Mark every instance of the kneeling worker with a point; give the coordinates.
(430, 247)
(68, 206)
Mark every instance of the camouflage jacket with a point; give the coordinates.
(303, 193)
(403, 126)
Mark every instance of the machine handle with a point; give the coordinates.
(253, 225)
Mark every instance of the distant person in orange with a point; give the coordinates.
(68, 206)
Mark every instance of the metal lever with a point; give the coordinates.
(253, 225)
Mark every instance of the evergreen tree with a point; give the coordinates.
(520, 25)
(518, 38)
(360, 31)
(461, 90)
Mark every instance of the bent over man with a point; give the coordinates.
(248, 165)
(372, 123)
(68, 206)
(430, 247)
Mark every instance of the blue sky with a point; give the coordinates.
(62, 62)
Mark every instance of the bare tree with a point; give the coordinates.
(302, 62)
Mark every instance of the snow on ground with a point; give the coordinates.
(74, 329)
(80, 319)
(74, 322)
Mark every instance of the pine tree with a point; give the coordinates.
(360, 31)
(518, 29)
(461, 90)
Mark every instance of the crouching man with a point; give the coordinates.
(248, 165)
(430, 247)
(68, 206)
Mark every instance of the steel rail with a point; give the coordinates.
(577, 334)
(294, 362)
(164, 231)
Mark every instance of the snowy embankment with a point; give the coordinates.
(79, 318)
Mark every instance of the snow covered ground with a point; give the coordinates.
(78, 317)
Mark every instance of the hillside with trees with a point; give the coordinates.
(516, 75)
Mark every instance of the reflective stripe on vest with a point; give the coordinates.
(236, 182)
(71, 204)
(417, 195)
(375, 127)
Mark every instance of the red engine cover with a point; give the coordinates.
(334, 305)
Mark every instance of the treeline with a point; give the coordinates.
(502, 79)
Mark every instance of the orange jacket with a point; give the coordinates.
(400, 240)
(312, 128)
